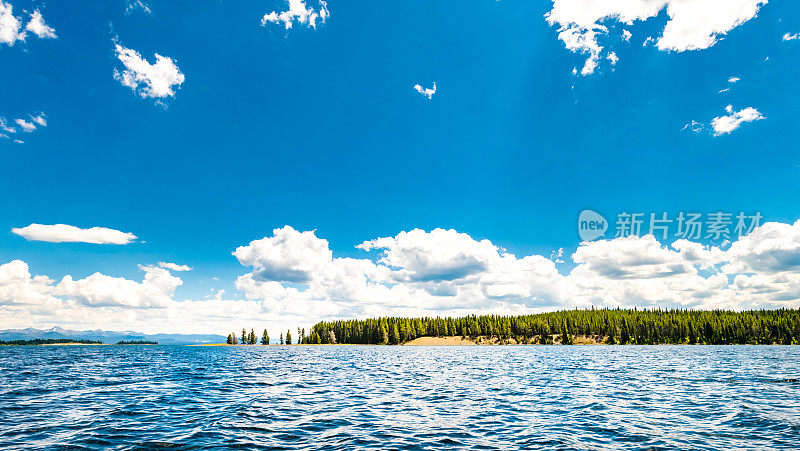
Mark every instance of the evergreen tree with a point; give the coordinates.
(288, 337)
(566, 337)
(265, 338)
(384, 335)
(281, 337)
(244, 336)
(610, 325)
(253, 337)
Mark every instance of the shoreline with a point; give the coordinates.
(578, 340)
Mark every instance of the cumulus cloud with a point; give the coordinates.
(791, 37)
(295, 278)
(298, 12)
(287, 256)
(443, 271)
(438, 255)
(37, 26)
(99, 290)
(734, 119)
(156, 80)
(11, 29)
(427, 92)
(174, 266)
(63, 233)
(692, 25)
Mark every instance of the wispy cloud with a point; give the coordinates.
(134, 5)
(174, 266)
(22, 125)
(26, 126)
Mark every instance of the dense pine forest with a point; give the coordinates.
(608, 326)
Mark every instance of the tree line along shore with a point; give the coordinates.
(600, 326)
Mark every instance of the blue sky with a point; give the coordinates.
(321, 129)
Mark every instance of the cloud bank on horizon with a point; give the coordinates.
(295, 278)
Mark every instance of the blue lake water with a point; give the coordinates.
(349, 397)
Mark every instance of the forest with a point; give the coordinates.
(610, 326)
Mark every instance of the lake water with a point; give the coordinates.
(349, 397)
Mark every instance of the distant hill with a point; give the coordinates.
(104, 336)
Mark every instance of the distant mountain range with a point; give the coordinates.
(108, 336)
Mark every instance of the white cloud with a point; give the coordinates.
(733, 80)
(5, 127)
(174, 266)
(692, 24)
(734, 119)
(694, 126)
(298, 11)
(26, 126)
(40, 119)
(296, 279)
(438, 255)
(62, 233)
(23, 125)
(155, 80)
(99, 290)
(287, 256)
(427, 92)
(9, 25)
(11, 29)
(133, 5)
(37, 26)
(791, 37)
(626, 35)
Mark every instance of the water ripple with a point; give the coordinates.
(347, 397)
